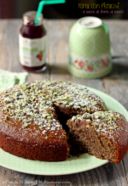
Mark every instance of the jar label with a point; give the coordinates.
(32, 51)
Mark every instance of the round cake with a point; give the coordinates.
(31, 125)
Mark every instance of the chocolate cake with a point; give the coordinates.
(104, 134)
(30, 119)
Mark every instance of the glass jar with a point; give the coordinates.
(32, 43)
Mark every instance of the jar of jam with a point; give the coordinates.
(32, 43)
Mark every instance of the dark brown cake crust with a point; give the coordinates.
(31, 142)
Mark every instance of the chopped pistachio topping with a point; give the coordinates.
(101, 120)
(77, 97)
(32, 103)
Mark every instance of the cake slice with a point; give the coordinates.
(104, 134)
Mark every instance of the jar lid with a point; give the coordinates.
(90, 22)
(29, 17)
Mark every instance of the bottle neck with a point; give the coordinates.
(28, 18)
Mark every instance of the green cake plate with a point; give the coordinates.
(72, 165)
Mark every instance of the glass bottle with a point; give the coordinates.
(32, 43)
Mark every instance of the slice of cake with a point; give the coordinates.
(103, 134)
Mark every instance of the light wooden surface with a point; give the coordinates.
(115, 84)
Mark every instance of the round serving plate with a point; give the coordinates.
(72, 165)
